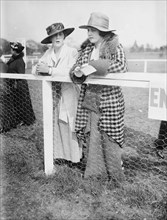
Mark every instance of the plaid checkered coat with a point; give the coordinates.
(107, 101)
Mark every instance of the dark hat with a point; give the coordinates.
(99, 21)
(18, 47)
(54, 29)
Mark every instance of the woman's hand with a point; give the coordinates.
(78, 72)
(76, 75)
(42, 68)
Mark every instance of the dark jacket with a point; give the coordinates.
(16, 64)
(16, 103)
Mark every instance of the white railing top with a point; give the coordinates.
(128, 79)
(148, 60)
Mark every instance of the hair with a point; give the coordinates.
(106, 34)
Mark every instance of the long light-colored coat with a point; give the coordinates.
(66, 145)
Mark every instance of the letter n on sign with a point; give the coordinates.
(157, 108)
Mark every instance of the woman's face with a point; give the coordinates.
(58, 39)
(13, 52)
(93, 36)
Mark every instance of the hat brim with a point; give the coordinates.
(19, 50)
(97, 27)
(66, 32)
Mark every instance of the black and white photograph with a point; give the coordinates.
(83, 110)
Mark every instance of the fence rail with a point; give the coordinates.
(129, 79)
(145, 61)
(33, 60)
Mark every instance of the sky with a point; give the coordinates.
(143, 21)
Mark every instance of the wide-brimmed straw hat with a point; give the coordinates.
(99, 21)
(18, 47)
(54, 29)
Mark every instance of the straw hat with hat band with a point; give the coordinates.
(99, 21)
(55, 29)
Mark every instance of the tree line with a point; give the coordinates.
(32, 47)
(148, 48)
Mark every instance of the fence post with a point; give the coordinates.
(145, 66)
(48, 126)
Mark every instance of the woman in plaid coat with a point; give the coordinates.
(100, 113)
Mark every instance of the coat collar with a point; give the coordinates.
(15, 57)
(107, 48)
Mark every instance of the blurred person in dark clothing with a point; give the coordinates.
(16, 107)
(161, 142)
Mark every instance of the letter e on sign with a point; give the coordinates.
(157, 108)
(154, 97)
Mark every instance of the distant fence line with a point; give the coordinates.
(34, 59)
(146, 62)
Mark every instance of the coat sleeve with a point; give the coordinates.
(118, 64)
(21, 67)
(42, 59)
(3, 67)
(74, 79)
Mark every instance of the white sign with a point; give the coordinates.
(158, 98)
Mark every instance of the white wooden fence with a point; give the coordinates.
(129, 79)
(34, 59)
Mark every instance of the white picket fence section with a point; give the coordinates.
(129, 79)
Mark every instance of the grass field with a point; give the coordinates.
(28, 194)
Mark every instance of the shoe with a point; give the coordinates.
(160, 154)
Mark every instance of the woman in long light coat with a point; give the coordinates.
(59, 59)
